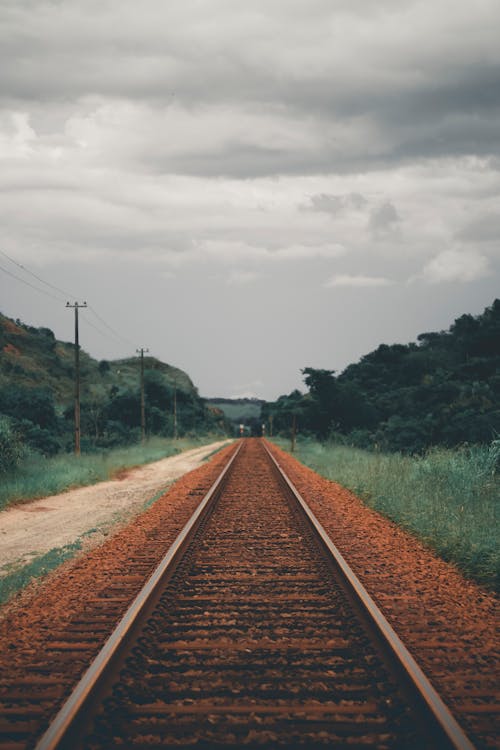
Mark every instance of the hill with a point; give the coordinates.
(238, 410)
(35, 358)
(37, 387)
(443, 389)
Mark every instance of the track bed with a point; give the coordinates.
(251, 639)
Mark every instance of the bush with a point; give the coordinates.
(11, 448)
(33, 404)
(38, 438)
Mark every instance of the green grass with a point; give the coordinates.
(40, 566)
(41, 477)
(447, 498)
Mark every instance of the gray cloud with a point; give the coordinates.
(347, 280)
(334, 204)
(456, 266)
(384, 218)
(485, 228)
(360, 81)
(221, 153)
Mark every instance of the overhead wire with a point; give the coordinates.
(87, 322)
(23, 281)
(113, 331)
(60, 299)
(39, 278)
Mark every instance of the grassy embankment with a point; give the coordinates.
(447, 498)
(40, 477)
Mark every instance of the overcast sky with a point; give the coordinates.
(248, 189)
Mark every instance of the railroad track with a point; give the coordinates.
(252, 632)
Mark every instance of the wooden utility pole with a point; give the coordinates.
(76, 307)
(175, 409)
(294, 432)
(141, 352)
(270, 425)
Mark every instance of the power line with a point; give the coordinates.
(118, 335)
(92, 325)
(58, 299)
(23, 281)
(48, 294)
(39, 278)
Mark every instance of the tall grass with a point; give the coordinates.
(447, 498)
(40, 477)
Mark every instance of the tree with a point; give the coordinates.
(324, 406)
(11, 448)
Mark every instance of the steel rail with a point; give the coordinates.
(451, 732)
(61, 726)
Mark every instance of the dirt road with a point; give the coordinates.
(34, 528)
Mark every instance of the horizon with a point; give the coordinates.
(240, 397)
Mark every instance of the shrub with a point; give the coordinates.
(11, 448)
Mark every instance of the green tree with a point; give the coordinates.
(11, 448)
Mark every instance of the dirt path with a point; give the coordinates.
(34, 528)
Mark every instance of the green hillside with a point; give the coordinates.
(443, 389)
(37, 387)
(33, 357)
(239, 410)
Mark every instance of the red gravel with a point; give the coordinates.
(66, 589)
(253, 643)
(420, 594)
(450, 624)
(51, 607)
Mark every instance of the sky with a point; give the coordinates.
(248, 189)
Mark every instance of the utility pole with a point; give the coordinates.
(175, 409)
(141, 352)
(76, 307)
(270, 425)
(294, 432)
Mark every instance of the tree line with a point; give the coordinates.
(443, 389)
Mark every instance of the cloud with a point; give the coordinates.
(247, 390)
(384, 219)
(319, 87)
(484, 228)
(242, 278)
(456, 265)
(334, 204)
(309, 252)
(16, 135)
(346, 280)
(236, 251)
(219, 141)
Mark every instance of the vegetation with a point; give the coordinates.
(11, 448)
(40, 566)
(38, 476)
(447, 498)
(245, 411)
(443, 390)
(414, 430)
(36, 398)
